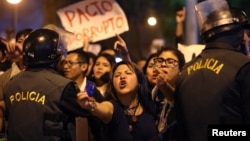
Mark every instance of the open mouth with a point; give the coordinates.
(122, 84)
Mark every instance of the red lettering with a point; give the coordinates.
(70, 16)
(80, 14)
(86, 32)
(119, 22)
(66, 39)
(107, 6)
(106, 24)
(92, 9)
(97, 7)
(78, 36)
(87, 11)
(112, 23)
(94, 29)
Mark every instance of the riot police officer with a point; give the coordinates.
(213, 88)
(36, 108)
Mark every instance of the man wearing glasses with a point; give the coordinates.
(75, 67)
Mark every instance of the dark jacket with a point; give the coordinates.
(200, 89)
(33, 106)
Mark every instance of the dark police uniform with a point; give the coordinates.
(201, 87)
(34, 108)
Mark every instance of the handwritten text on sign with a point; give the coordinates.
(97, 19)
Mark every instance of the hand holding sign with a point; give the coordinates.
(86, 41)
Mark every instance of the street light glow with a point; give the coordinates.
(152, 21)
(14, 1)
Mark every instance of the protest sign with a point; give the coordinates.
(96, 19)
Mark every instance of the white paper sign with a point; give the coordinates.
(96, 19)
(191, 50)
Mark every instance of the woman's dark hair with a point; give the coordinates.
(176, 52)
(111, 60)
(144, 95)
(23, 32)
(109, 57)
(144, 69)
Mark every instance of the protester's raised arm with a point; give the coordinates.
(121, 47)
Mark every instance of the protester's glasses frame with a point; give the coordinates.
(170, 62)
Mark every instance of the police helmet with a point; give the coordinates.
(215, 17)
(42, 48)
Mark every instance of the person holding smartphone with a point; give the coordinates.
(75, 67)
(129, 111)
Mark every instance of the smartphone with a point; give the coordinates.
(90, 87)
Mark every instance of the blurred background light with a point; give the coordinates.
(14, 1)
(152, 21)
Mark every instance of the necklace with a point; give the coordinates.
(130, 112)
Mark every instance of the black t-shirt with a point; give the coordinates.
(143, 130)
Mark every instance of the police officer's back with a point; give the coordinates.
(33, 97)
(204, 82)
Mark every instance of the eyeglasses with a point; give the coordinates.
(70, 63)
(171, 63)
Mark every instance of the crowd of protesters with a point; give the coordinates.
(49, 94)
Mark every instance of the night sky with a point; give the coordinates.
(29, 15)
